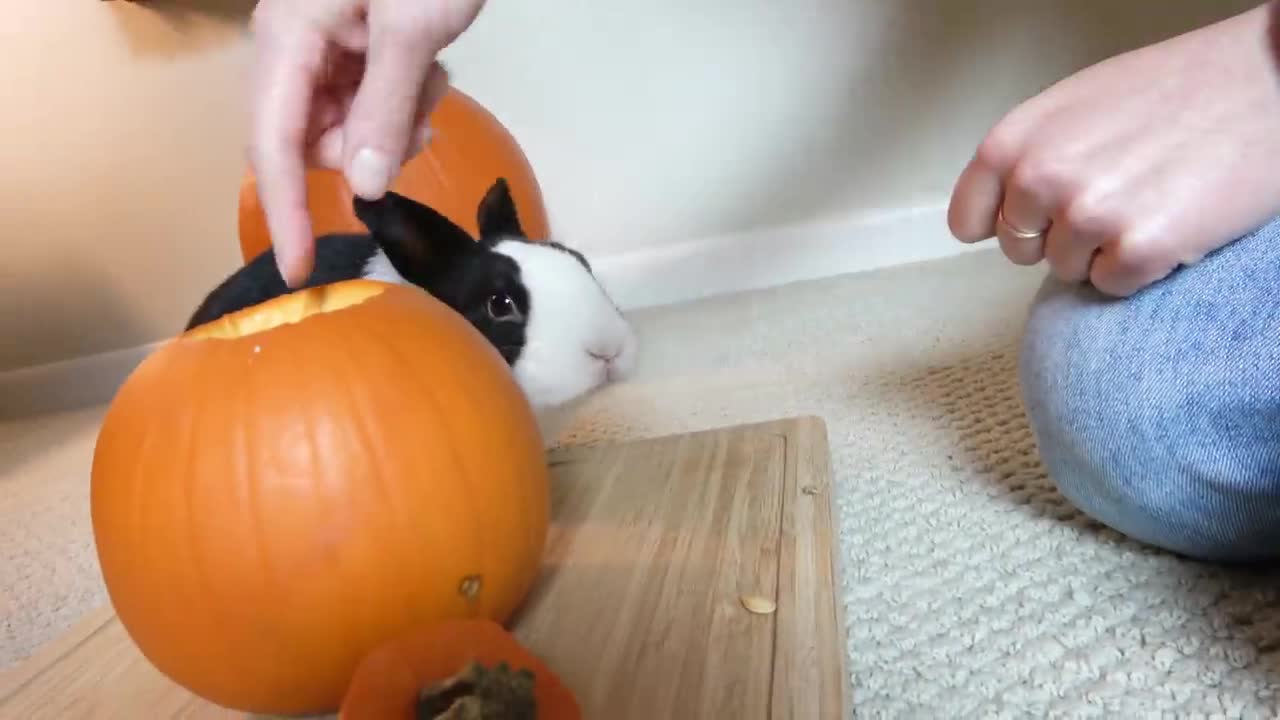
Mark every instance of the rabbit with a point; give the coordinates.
(538, 303)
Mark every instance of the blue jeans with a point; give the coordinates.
(1159, 414)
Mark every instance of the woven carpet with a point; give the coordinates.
(971, 587)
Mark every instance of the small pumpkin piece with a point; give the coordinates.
(461, 669)
(480, 693)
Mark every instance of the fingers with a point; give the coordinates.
(385, 113)
(1023, 221)
(1114, 275)
(434, 89)
(1019, 189)
(1132, 261)
(980, 190)
(975, 201)
(288, 67)
(327, 150)
(370, 116)
(1070, 252)
(998, 195)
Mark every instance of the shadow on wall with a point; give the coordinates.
(121, 177)
(171, 28)
(930, 54)
(45, 324)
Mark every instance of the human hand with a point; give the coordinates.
(347, 85)
(1136, 165)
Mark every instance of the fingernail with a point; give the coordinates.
(370, 174)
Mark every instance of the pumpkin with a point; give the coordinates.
(453, 670)
(278, 491)
(469, 151)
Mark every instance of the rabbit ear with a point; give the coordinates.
(496, 216)
(414, 236)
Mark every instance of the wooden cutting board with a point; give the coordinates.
(653, 546)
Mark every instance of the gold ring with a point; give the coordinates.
(1019, 232)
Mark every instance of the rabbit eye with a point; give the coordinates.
(501, 307)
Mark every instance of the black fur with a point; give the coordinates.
(496, 217)
(338, 257)
(426, 248)
(496, 214)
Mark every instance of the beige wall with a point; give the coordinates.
(648, 123)
(121, 159)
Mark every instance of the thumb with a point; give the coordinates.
(381, 124)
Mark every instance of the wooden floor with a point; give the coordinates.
(654, 546)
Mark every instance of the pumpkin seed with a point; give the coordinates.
(758, 604)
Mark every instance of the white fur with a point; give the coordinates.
(379, 267)
(570, 317)
(576, 340)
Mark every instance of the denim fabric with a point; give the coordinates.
(1159, 414)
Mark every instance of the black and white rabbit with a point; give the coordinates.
(538, 303)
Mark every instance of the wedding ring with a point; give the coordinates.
(1017, 231)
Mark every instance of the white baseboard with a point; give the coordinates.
(67, 384)
(646, 277)
(667, 274)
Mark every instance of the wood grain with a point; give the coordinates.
(639, 609)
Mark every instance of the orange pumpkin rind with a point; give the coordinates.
(266, 469)
(470, 148)
(289, 308)
(456, 670)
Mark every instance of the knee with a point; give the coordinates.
(1152, 421)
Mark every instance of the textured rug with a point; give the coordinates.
(971, 588)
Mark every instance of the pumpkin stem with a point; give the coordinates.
(480, 693)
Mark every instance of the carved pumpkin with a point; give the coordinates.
(470, 150)
(279, 491)
(456, 669)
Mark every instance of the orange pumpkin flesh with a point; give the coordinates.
(469, 151)
(277, 492)
(391, 680)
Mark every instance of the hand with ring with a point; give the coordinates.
(1128, 169)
